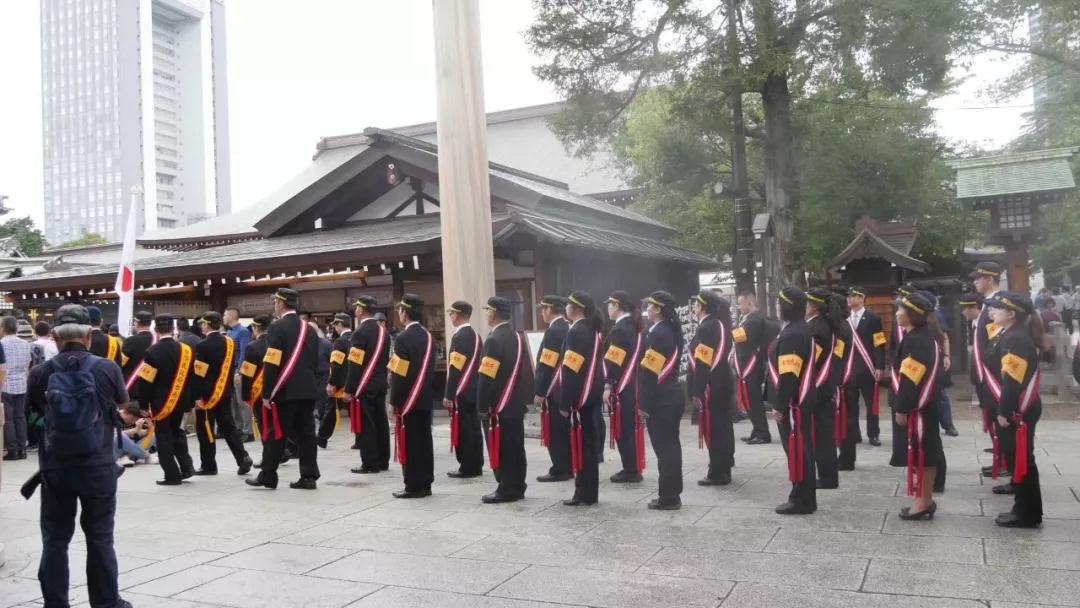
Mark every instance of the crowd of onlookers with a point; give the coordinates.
(1059, 305)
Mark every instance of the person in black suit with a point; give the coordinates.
(866, 371)
(582, 395)
(504, 388)
(713, 385)
(101, 343)
(622, 351)
(751, 339)
(412, 368)
(134, 349)
(288, 393)
(213, 390)
(466, 435)
(555, 431)
(251, 371)
(164, 389)
(366, 386)
(986, 278)
(822, 317)
(661, 400)
(335, 384)
(791, 370)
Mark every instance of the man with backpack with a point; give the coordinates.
(77, 393)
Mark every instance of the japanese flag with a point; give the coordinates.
(125, 278)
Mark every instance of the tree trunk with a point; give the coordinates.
(781, 188)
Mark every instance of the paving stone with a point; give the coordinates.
(166, 567)
(396, 597)
(389, 516)
(735, 539)
(438, 573)
(496, 522)
(740, 517)
(16, 590)
(604, 590)
(756, 595)
(391, 540)
(280, 557)
(250, 589)
(973, 582)
(983, 527)
(813, 570)
(869, 545)
(189, 578)
(139, 601)
(568, 553)
(1033, 553)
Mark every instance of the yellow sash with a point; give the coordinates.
(177, 384)
(113, 346)
(256, 387)
(223, 376)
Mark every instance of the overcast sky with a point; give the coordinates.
(302, 70)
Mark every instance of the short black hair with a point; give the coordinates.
(132, 408)
(42, 328)
(228, 308)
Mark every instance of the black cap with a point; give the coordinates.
(1010, 300)
(72, 313)
(929, 296)
(365, 301)
(856, 291)
(500, 305)
(163, 322)
(462, 308)
(211, 317)
(342, 318)
(554, 302)
(144, 317)
(970, 299)
(906, 289)
(819, 295)
(380, 317)
(793, 296)
(95, 314)
(986, 269)
(710, 300)
(582, 300)
(262, 320)
(916, 303)
(621, 299)
(411, 301)
(661, 299)
(289, 296)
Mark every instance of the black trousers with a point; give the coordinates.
(513, 464)
(755, 386)
(1067, 319)
(587, 481)
(172, 447)
(863, 385)
(297, 418)
(470, 447)
(221, 416)
(322, 400)
(600, 431)
(847, 456)
(824, 433)
(94, 489)
(627, 442)
(1027, 503)
(721, 437)
(330, 418)
(803, 493)
(663, 426)
(419, 467)
(559, 447)
(375, 435)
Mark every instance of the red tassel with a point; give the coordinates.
(356, 417)
(795, 448)
(1020, 466)
(277, 421)
(614, 421)
(987, 424)
(455, 428)
(922, 469)
(704, 439)
(639, 442)
(911, 457)
(875, 402)
(545, 426)
(580, 447)
(399, 440)
(265, 424)
(493, 443)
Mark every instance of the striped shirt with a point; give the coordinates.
(17, 352)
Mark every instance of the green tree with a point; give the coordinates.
(31, 240)
(602, 54)
(87, 238)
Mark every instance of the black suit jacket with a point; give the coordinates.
(870, 334)
(463, 358)
(658, 375)
(339, 368)
(580, 354)
(823, 347)
(410, 348)
(209, 357)
(153, 386)
(550, 356)
(619, 356)
(792, 358)
(704, 349)
(99, 345)
(282, 338)
(135, 349)
(499, 353)
(252, 365)
(752, 339)
(362, 354)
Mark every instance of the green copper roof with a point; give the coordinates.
(1007, 174)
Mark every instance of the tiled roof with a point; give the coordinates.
(1006, 174)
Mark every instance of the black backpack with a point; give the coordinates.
(74, 422)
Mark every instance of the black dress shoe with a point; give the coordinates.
(988, 450)
(625, 477)
(245, 466)
(821, 485)
(304, 483)
(169, 482)
(987, 472)
(248, 438)
(1012, 520)
(939, 489)
(257, 465)
(363, 470)
(355, 446)
(258, 483)
(722, 480)
(952, 432)
(322, 443)
(845, 467)
(745, 439)
(495, 498)
(790, 508)
(858, 439)
(759, 440)
(11, 456)
(578, 502)
(412, 494)
(203, 472)
(665, 505)
(876, 442)
(1005, 488)
(188, 474)
(552, 478)
(461, 475)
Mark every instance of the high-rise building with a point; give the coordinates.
(133, 94)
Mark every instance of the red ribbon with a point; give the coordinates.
(1020, 464)
(704, 439)
(875, 401)
(399, 440)
(988, 424)
(915, 470)
(639, 441)
(455, 427)
(576, 444)
(615, 420)
(356, 418)
(273, 415)
(545, 425)
(795, 447)
(493, 442)
(840, 424)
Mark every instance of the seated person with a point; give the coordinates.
(136, 427)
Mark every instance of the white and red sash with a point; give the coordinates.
(1027, 399)
(628, 373)
(283, 377)
(796, 460)
(704, 420)
(992, 383)
(826, 368)
(917, 428)
(466, 377)
(130, 382)
(861, 348)
(494, 431)
(670, 366)
(356, 414)
(412, 399)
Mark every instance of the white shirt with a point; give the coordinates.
(500, 325)
(856, 316)
(48, 346)
(622, 316)
(460, 327)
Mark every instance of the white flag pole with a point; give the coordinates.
(125, 277)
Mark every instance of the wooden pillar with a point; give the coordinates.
(464, 194)
(1016, 261)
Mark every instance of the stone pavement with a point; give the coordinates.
(215, 542)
